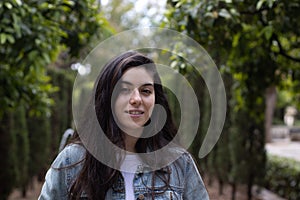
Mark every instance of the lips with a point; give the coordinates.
(135, 112)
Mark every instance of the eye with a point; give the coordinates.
(146, 91)
(125, 90)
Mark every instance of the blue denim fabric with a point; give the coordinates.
(185, 180)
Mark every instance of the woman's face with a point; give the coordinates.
(135, 101)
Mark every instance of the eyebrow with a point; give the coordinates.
(145, 84)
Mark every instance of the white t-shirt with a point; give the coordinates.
(128, 169)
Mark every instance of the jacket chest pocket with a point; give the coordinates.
(161, 195)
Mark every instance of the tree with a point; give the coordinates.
(32, 35)
(127, 14)
(258, 41)
(9, 171)
(267, 29)
(22, 148)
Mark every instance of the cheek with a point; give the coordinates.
(121, 101)
(118, 107)
(150, 104)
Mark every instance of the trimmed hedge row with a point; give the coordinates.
(283, 177)
(61, 116)
(29, 143)
(239, 156)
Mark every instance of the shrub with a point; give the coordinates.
(9, 171)
(283, 177)
(61, 112)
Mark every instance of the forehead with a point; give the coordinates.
(137, 76)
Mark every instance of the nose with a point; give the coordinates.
(135, 98)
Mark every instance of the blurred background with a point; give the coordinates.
(254, 43)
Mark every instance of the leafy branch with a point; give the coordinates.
(282, 51)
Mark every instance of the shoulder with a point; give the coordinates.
(185, 163)
(63, 172)
(184, 160)
(71, 155)
(185, 157)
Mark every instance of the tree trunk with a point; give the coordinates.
(249, 188)
(24, 191)
(233, 191)
(221, 183)
(271, 97)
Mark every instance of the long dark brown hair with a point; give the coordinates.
(96, 178)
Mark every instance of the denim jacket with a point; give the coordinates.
(185, 181)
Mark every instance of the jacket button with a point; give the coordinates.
(141, 196)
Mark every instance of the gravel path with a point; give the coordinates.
(284, 148)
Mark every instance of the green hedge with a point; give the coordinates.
(29, 143)
(8, 148)
(283, 177)
(39, 141)
(20, 131)
(61, 112)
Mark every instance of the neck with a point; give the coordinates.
(130, 142)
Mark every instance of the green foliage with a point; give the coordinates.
(9, 172)
(205, 106)
(15, 149)
(223, 148)
(258, 43)
(29, 143)
(124, 15)
(62, 110)
(28, 44)
(116, 10)
(201, 92)
(283, 177)
(22, 150)
(261, 36)
(32, 34)
(246, 149)
(247, 136)
(39, 134)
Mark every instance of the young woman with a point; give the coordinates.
(126, 93)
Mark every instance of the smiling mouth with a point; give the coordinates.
(135, 112)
